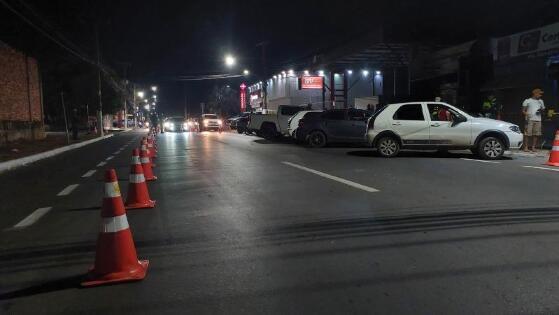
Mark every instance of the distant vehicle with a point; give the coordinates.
(274, 122)
(192, 124)
(234, 120)
(211, 122)
(293, 122)
(333, 126)
(175, 124)
(440, 126)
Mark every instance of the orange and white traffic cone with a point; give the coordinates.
(115, 258)
(138, 195)
(146, 166)
(144, 147)
(151, 148)
(554, 154)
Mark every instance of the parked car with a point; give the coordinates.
(333, 126)
(242, 124)
(210, 122)
(440, 126)
(175, 124)
(272, 123)
(234, 120)
(293, 122)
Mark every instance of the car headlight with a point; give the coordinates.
(185, 125)
(147, 124)
(167, 124)
(220, 122)
(206, 122)
(514, 128)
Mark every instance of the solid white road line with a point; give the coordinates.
(32, 218)
(89, 173)
(543, 168)
(101, 164)
(109, 158)
(332, 177)
(482, 161)
(68, 190)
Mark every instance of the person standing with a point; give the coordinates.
(532, 109)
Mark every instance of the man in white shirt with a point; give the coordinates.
(532, 108)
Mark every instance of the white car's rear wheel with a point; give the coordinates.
(388, 147)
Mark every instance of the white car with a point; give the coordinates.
(211, 122)
(439, 126)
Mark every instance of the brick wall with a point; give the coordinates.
(14, 99)
(20, 96)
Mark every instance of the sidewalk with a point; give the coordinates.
(19, 149)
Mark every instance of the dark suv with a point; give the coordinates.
(333, 126)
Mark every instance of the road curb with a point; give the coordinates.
(13, 164)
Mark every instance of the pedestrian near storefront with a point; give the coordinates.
(532, 108)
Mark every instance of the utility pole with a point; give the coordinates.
(264, 74)
(99, 92)
(65, 118)
(185, 103)
(134, 105)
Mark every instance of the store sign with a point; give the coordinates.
(539, 42)
(311, 82)
(243, 97)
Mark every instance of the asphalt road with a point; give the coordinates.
(243, 225)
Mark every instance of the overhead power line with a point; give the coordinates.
(64, 43)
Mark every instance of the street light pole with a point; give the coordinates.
(99, 92)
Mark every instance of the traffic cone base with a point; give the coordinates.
(552, 163)
(140, 205)
(116, 277)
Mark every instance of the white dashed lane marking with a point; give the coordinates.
(101, 164)
(332, 177)
(109, 158)
(32, 218)
(481, 161)
(68, 190)
(543, 168)
(89, 173)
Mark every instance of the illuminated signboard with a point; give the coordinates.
(311, 82)
(243, 97)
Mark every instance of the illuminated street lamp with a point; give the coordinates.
(230, 61)
(146, 107)
(141, 94)
(246, 72)
(154, 88)
(365, 73)
(154, 96)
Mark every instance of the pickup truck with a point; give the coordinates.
(273, 123)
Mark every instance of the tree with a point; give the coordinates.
(223, 100)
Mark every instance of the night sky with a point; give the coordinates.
(160, 40)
